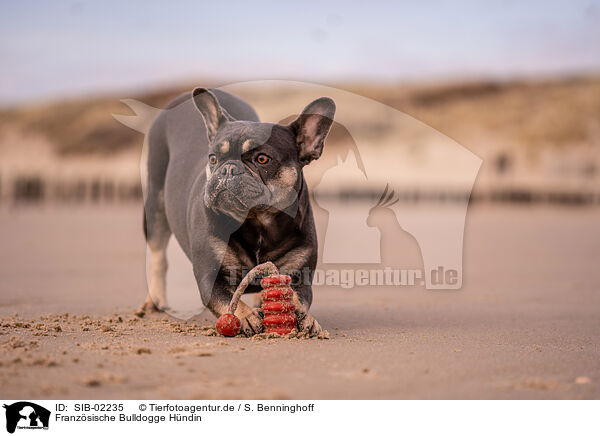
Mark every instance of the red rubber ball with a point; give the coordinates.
(228, 325)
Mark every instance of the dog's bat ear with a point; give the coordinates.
(311, 128)
(212, 112)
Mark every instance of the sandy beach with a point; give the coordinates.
(525, 325)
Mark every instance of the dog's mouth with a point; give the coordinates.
(234, 197)
(227, 196)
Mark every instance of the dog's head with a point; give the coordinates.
(253, 165)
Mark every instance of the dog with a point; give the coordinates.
(231, 190)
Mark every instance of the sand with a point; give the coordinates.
(525, 325)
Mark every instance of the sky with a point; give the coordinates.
(68, 48)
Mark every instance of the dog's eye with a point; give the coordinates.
(263, 159)
(212, 159)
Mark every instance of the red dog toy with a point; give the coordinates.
(277, 302)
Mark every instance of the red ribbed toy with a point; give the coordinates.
(277, 302)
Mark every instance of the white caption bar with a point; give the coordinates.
(302, 417)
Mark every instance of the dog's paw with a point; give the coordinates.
(252, 324)
(309, 325)
(150, 307)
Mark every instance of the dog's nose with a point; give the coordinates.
(230, 169)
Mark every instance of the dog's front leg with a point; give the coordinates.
(216, 295)
(296, 263)
(302, 300)
(251, 318)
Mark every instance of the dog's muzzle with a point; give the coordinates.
(234, 191)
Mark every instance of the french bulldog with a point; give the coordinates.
(231, 190)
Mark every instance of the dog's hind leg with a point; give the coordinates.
(157, 238)
(156, 226)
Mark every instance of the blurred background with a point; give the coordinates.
(516, 83)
